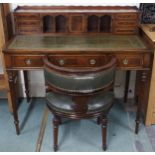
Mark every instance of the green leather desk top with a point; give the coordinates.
(76, 43)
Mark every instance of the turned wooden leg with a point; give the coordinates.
(98, 120)
(26, 81)
(143, 84)
(140, 81)
(138, 113)
(56, 122)
(127, 81)
(12, 77)
(60, 121)
(104, 132)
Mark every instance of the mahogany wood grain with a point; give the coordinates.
(6, 33)
(150, 114)
(118, 20)
(124, 61)
(2, 82)
(56, 24)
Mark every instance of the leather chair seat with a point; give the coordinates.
(64, 103)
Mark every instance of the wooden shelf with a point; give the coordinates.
(2, 82)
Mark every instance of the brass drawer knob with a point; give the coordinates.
(61, 62)
(125, 61)
(92, 61)
(28, 61)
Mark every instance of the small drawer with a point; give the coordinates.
(27, 16)
(27, 61)
(124, 30)
(79, 61)
(28, 23)
(130, 61)
(28, 29)
(122, 23)
(126, 16)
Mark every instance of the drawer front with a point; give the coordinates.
(72, 61)
(27, 29)
(28, 23)
(76, 23)
(133, 61)
(126, 16)
(124, 30)
(27, 16)
(27, 61)
(79, 60)
(124, 61)
(125, 23)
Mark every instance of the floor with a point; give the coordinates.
(77, 136)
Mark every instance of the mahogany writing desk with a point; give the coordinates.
(70, 40)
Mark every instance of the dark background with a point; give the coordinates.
(147, 13)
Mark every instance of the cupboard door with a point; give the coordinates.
(76, 23)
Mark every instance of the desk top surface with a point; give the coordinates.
(147, 29)
(76, 43)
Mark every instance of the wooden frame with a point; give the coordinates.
(150, 119)
(27, 19)
(139, 59)
(4, 37)
(80, 99)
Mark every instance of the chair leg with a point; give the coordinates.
(104, 132)
(127, 82)
(56, 122)
(98, 120)
(138, 114)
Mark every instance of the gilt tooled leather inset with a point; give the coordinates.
(75, 43)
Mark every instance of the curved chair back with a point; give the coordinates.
(79, 81)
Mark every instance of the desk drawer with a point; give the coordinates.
(124, 60)
(79, 60)
(27, 61)
(60, 60)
